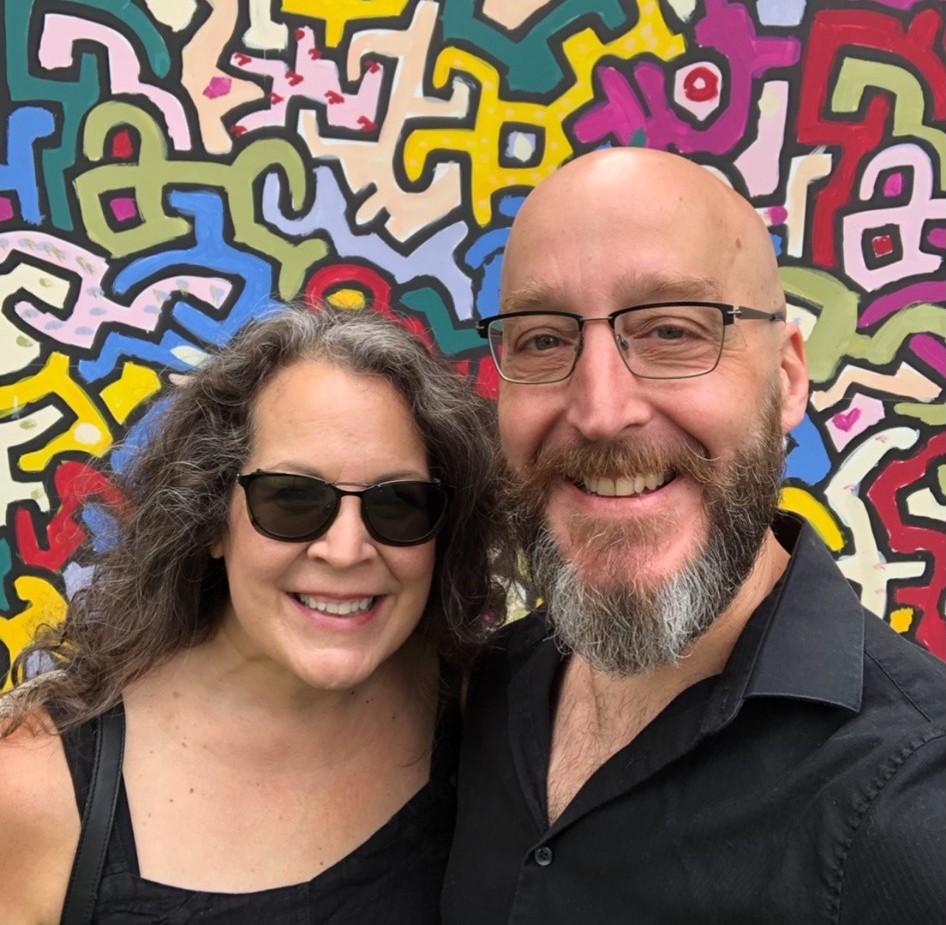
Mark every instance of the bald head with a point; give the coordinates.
(653, 215)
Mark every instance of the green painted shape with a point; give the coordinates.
(933, 415)
(858, 77)
(6, 563)
(530, 62)
(941, 479)
(72, 99)
(154, 171)
(835, 336)
(428, 302)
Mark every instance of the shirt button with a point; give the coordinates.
(543, 856)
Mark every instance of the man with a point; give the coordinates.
(703, 725)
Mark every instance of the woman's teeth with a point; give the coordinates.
(625, 487)
(335, 608)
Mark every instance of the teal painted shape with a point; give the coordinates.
(530, 64)
(74, 98)
(427, 302)
(6, 563)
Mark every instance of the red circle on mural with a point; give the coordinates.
(700, 85)
(340, 275)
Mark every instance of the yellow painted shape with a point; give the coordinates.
(336, 14)
(901, 619)
(136, 384)
(798, 501)
(481, 142)
(350, 299)
(44, 605)
(88, 433)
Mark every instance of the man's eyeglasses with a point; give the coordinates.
(300, 508)
(659, 340)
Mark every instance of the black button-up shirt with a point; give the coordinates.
(804, 784)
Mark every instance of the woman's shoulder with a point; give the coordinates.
(39, 822)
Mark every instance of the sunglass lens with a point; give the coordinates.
(291, 507)
(404, 513)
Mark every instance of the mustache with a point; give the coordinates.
(583, 460)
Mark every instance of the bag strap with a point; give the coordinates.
(98, 817)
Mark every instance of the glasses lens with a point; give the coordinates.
(404, 513)
(534, 348)
(670, 341)
(290, 507)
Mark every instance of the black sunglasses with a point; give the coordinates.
(300, 508)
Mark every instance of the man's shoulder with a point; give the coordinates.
(900, 673)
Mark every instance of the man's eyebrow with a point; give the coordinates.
(529, 296)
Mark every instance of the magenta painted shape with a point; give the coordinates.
(845, 420)
(124, 208)
(914, 294)
(893, 185)
(218, 86)
(930, 350)
(6, 209)
(937, 238)
(777, 215)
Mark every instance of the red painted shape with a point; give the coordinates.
(293, 78)
(237, 130)
(366, 124)
(373, 66)
(122, 147)
(339, 275)
(834, 34)
(334, 97)
(75, 483)
(275, 99)
(882, 245)
(487, 379)
(299, 33)
(700, 85)
(315, 54)
(241, 59)
(910, 539)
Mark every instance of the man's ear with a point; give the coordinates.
(793, 373)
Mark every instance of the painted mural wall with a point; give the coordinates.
(166, 166)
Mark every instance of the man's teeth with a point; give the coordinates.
(626, 487)
(336, 608)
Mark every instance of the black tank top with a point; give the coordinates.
(393, 877)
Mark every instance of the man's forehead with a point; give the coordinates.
(629, 287)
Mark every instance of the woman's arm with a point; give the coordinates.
(39, 825)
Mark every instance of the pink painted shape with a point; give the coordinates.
(930, 350)
(893, 185)
(863, 412)
(778, 215)
(124, 208)
(6, 209)
(92, 308)
(218, 86)
(60, 35)
(312, 78)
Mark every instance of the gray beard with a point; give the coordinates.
(622, 627)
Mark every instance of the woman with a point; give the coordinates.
(303, 551)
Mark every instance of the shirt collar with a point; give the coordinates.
(804, 641)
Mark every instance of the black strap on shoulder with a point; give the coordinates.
(98, 817)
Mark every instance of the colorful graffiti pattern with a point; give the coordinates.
(168, 165)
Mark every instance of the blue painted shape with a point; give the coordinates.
(102, 527)
(808, 460)
(138, 436)
(25, 126)
(776, 243)
(210, 255)
(781, 12)
(484, 256)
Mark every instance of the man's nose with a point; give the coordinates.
(605, 397)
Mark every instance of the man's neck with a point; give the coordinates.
(597, 714)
